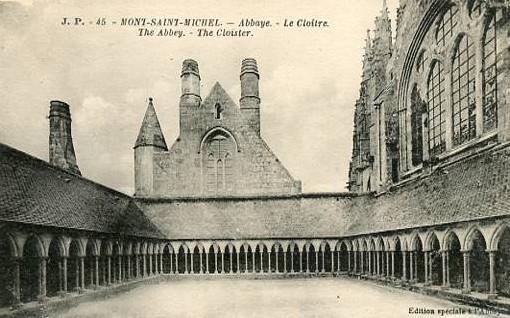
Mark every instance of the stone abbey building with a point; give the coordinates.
(428, 205)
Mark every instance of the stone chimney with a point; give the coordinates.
(61, 141)
(250, 101)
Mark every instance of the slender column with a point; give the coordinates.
(17, 284)
(261, 260)
(467, 283)
(207, 263)
(137, 265)
(144, 258)
(64, 273)
(186, 271)
(404, 265)
(443, 266)
(411, 266)
(369, 262)
(150, 273)
(492, 273)
(415, 256)
(82, 272)
(238, 268)
(42, 271)
(317, 261)
(387, 263)
(307, 262)
(323, 269)
(338, 263)
(96, 266)
(292, 260)
(426, 269)
(60, 276)
(201, 265)
(393, 264)
(300, 261)
(355, 269)
(285, 262)
(222, 262)
(216, 262)
(362, 262)
(269, 262)
(378, 265)
(448, 268)
(245, 260)
(276, 260)
(348, 261)
(120, 267)
(109, 270)
(191, 256)
(253, 261)
(230, 262)
(332, 261)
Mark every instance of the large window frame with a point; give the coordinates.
(436, 101)
(489, 76)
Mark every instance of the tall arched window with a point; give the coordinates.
(447, 25)
(463, 92)
(217, 151)
(489, 86)
(436, 110)
(416, 127)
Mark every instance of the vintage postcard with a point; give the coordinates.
(328, 158)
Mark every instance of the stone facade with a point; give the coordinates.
(435, 94)
(219, 151)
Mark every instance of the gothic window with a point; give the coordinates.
(436, 110)
(217, 111)
(463, 92)
(218, 163)
(447, 25)
(416, 127)
(489, 75)
(421, 64)
(475, 8)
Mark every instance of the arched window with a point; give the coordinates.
(416, 127)
(436, 110)
(463, 92)
(447, 25)
(475, 8)
(218, 163)
(489, 86)
(217, 111)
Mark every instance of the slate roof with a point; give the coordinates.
(150, 133)
(33, 191)
(475, 188)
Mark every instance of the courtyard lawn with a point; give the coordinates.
(326, 297)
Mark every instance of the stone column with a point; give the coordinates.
(411, 266)
(332, 261)
(150, 272)
(253, 261)
(393, 264)
(191, 261)
(238, 268)
(467, 276)
(362, 261)
(207, 263)
(378, 260)
(215, 262)
(307, 262)
(245, 260)
(129, 267)
(137, 265)
(404, 265)
(317, 261)
(269, 262)
(261, 260)
(223, 262)
(369, 262)
(119, 262)
(349, 262)
(96, 265)
(177, 262)
(82, 272)
(17, 283)
(186, 271)
(144, 274)
(64, 273)
(387, 263)
(338, 263)
(230, 262)
(300, 261)
(42, 270)
(109, 270)
(292, 260)
(323, 269)
(492, 274)
(355, 269)
(285, 262)
(426, 269)
(201, 264)
(277, 270)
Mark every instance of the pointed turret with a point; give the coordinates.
(150, 141)
(150, 132)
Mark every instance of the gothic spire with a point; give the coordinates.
(150, 133)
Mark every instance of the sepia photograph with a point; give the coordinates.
(222, 158)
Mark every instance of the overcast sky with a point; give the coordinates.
(309, 79)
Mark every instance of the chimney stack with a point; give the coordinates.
(250, 101)
(61, 142)
(190, 83)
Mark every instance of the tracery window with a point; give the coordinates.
(463, 92)
(489, 77)
(436, 110)
(447, 25)
(218, 165)
(475, 8)
(421, 63)
(416, 127)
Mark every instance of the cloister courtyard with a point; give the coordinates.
(231, 297)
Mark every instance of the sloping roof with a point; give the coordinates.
(475, 188)
(150, 133)
(32, 191)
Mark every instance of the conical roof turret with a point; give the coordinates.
(150, 132)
